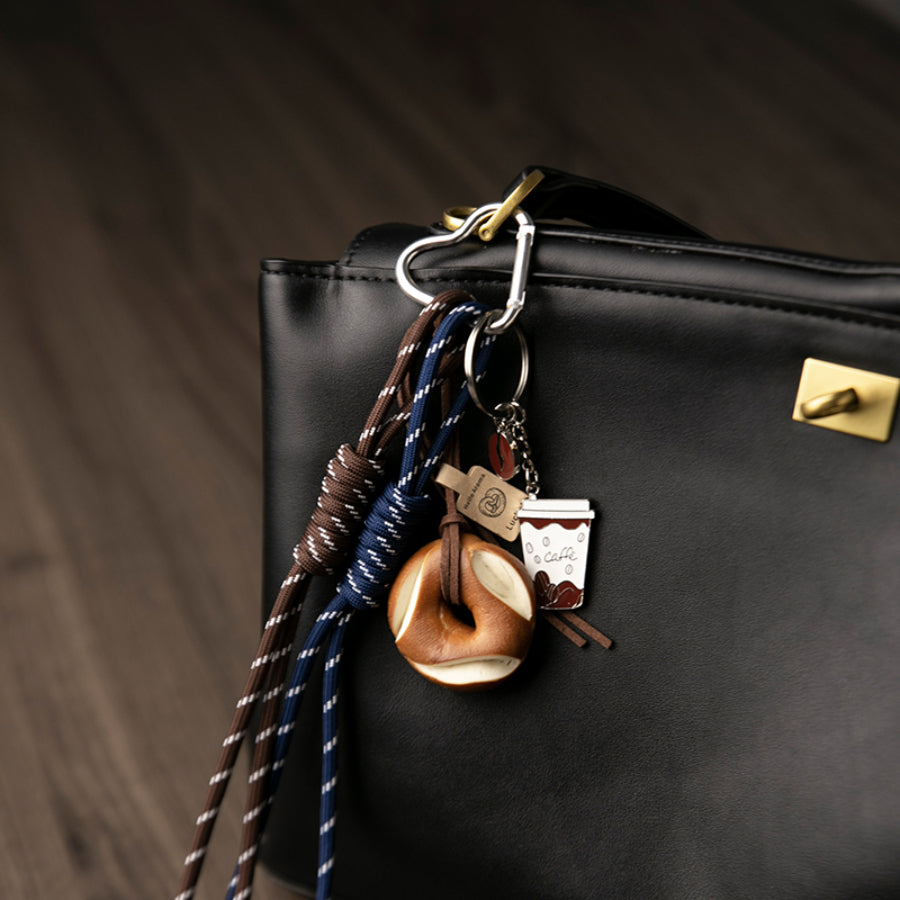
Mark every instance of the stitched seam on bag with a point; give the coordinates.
(729, 301)
(699, 247)
(738, 254)
(744, 254)
(747, 253)
(326, 276)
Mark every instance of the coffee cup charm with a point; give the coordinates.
(554, 535)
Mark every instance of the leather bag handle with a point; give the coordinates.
(598, 205)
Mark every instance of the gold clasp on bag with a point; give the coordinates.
(454, 216)
(830, 404)
(510, 205)
(844, 399)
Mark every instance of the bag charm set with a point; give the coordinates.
(471, 636)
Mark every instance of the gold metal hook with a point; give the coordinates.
(454, 216)
(510, 205)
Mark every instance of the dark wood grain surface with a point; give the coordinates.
(150, 154)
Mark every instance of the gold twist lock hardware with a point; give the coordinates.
(830, 404)
(845, 399)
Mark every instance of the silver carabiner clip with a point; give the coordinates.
(524, 242)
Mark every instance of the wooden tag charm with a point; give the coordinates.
(484, 498)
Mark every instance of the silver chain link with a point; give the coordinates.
(509, 420)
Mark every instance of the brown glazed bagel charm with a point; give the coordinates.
(496, 590)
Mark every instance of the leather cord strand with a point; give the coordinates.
(327, 538)
(577, 639)
(594, 634)
(559, 618)
(453, 521)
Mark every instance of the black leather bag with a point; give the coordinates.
(742, 739)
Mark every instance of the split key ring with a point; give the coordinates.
(484, 323)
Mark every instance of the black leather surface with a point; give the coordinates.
(742, 740)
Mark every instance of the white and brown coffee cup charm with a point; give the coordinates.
(498, 594)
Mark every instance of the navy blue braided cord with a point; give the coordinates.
(391, 532)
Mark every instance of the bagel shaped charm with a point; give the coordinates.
(496, 590)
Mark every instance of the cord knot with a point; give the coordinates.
(350, 483)
(392, 530)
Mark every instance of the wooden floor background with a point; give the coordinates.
(150, 154)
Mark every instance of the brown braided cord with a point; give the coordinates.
(287, 606)
(373, 440)
(330, 534)
(378, 432)
(351, 480)
(348, 489)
